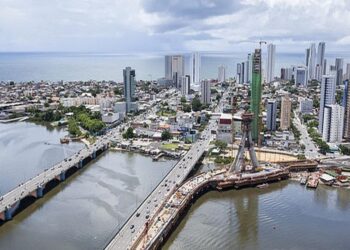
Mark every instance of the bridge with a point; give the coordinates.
(26, 193)
(165, 188)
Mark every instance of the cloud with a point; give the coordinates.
(150, 25)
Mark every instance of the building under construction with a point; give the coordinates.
(255, 95)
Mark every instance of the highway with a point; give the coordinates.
(311, 151)
(164, 189)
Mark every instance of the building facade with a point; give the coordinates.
(270, 72)
(185, 85)
(255, 99)
(286, 109)
(333, 123)
(195, 67)
(271, 113)
(129, 87)
(327, 97)
(205, 92)
(221, 73)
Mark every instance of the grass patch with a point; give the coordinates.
(170, 146)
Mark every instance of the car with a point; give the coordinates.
(147, 216)
(138, 214)
(132, 226)
(133, 231)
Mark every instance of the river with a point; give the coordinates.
(285, 215)
(86, 210)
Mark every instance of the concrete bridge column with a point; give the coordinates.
(8, 214)
(39, 192)
(62, 176)
(80, 163)
(93, 156)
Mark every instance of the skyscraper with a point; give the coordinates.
(221, 73)
(339, 70)
(185, 85)
(320, 60)
(255, 98)
(286, 107)
(249, 68)
(271, 108)
(333, 123)
(195, 67)
(239, 72)
(205, 92)
(327, 97)
(129, 87)
(346, 105)
(174, 68)
(312, 62)
(307, 57)
(300, 76)
(270, 72)
(347, 75)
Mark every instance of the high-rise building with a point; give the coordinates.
(185, 85)
(249, 68)
(305, 105)
(205, 92)
(270, 72)
(339, 70)
(221, 73)
(245, 72)
(327, 97)
(347, 75)
(195, 67)
(168, 73)
(271, 109)
(129, 87)
(307, 57)
(286, 108)
(286, 74)
(312, 62)
(320, 60)
(300, 76)
(333, 122)
(346, 105)
(255, 99)
(174, 68)
(239, 72)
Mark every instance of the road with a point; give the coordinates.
(165, 188)
(311, 151)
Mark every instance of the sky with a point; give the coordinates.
(142, 26)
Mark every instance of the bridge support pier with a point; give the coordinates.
(80, 163)
(93, 156)
(8, 214)
(39, 192)
(62, 176)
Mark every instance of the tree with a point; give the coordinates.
(196, 104)
(117, 91)
(183, 100)
(129, 133)
(186, 108)
(73, 128)
(166, 135)
(221, 144)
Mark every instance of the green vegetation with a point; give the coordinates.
(166, 111)
(118, 91)
(196, 104)
(301, 157)
(221, 145)
(129, 134)
(166, 135)
(170, 146)
(45, 116)
(183, 100)
(344, 150)
(296, 132)
(90, 123)
(186, 108)
(316, 137)
(224, 160)
(73, 128)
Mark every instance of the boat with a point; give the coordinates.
(312, 183)
(264, 185)
(64, 140)
(303, 180)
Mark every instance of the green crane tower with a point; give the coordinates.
(255, 95)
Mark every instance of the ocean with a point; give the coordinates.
(22, 67)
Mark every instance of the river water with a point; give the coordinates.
(283, 216)
(86, 210)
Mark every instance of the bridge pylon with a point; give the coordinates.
(246, 143)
